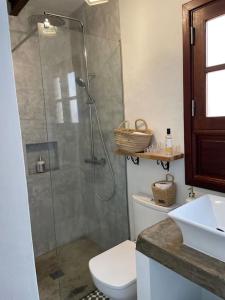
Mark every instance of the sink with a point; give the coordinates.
(202, 223)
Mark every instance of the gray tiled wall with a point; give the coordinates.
(109, 219)
(65, 203)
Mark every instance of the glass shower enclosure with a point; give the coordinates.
(69, 89)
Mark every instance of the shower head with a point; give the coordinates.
(54, 21)
(81, 82)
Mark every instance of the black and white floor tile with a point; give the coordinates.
(96, 295)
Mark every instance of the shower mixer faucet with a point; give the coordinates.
(95, 161)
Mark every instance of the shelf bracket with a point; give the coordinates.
(165, 164)
(135, 160)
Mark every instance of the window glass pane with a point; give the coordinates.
(215, 37)
(57, 88)
(59, 113)
(74, 111)
(72, 84)
(215, 94)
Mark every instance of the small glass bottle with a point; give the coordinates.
(40, 165)
(191, 195)
(169, 142)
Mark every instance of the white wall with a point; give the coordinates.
(17, 269)
(153, 83)
(155, 281)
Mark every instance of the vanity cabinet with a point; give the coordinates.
(156, 282)
(167, 269)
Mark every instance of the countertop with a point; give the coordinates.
(163, 243)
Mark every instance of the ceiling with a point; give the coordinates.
(66, 7)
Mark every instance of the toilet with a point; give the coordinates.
(114, 271)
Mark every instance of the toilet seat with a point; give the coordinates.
(115, 268)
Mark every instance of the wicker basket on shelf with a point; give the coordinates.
(164, 191)
(133, 140)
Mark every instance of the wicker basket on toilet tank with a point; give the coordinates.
(133, 140)
(164, 191)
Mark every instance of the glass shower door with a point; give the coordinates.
(68, 129)
(87, 219)
(78, 205)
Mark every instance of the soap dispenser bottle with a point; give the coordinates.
(40, 165)
(169, 142)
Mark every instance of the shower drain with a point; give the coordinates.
(57, 274)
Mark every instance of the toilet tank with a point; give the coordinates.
(147, 213)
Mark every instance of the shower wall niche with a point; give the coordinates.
(67, 202)
(48, 152)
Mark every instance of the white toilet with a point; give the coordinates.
(114, 271)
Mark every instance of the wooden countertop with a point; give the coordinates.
(163, 242)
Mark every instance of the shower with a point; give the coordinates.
(54, 20)
(92, 106)
(70, 97)
(33, 21)
(81, 83)
(93, 160)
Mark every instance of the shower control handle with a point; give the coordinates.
(95, 161)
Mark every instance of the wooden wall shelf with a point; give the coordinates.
(162, 159)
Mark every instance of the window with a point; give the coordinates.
(74, 111)
(204, 93)
(69, 101)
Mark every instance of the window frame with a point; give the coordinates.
(191, 163)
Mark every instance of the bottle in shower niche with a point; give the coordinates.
(169, 142)
(40, 165)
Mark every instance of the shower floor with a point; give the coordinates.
(65, 275)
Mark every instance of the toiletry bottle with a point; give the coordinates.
(40, 165)
(169, 142)
(191, 195)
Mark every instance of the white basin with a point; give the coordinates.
(202, 223)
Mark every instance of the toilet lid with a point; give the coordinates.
(115, 267)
